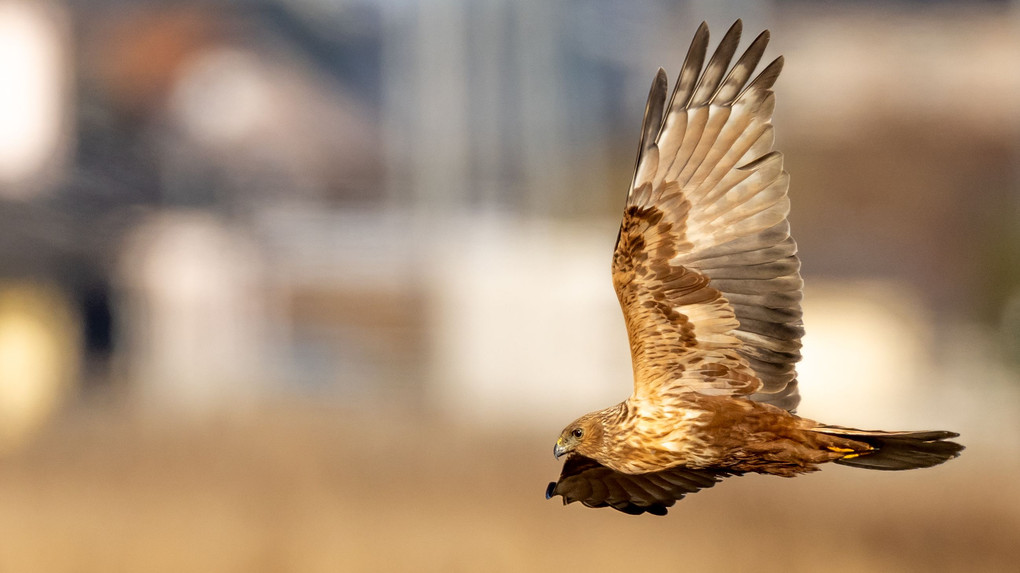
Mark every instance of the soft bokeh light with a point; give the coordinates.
(39, 359)
(32, 99)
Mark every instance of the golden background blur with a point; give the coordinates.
(313, 285)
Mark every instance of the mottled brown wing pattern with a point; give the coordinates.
(681, 329)
(705, 268)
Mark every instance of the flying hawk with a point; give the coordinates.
(709, 280)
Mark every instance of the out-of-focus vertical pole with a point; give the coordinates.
(425, 104)
(490, 105)
(538, 74)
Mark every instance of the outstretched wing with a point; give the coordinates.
(594, 485)
(704, 267)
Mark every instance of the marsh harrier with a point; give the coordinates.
(709, 280)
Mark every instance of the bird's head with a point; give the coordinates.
(583, 436)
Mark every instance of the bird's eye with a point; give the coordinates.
(577, 433)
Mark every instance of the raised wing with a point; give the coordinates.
(594, 485)
(704, 267)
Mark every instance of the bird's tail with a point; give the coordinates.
(896, 450)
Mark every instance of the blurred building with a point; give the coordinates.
(379, 203)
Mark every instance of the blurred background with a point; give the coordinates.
(313, 285)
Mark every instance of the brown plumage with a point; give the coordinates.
(709, 281)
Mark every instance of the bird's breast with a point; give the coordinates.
(656, 437)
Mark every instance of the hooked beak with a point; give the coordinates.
(558, 449)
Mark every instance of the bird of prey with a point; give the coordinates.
(709, 280)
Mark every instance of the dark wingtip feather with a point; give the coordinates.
(654, 109)
(736, 28)
(767, 78)
(717, 66)
(687, 80)
(733, 85)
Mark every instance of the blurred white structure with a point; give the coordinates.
(353, 323)
(195, 312)
(526, 325)
(866, 353)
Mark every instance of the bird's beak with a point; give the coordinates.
(558, 449)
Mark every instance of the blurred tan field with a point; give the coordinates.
(312, 489)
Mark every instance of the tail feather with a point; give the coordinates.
(897, 450)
